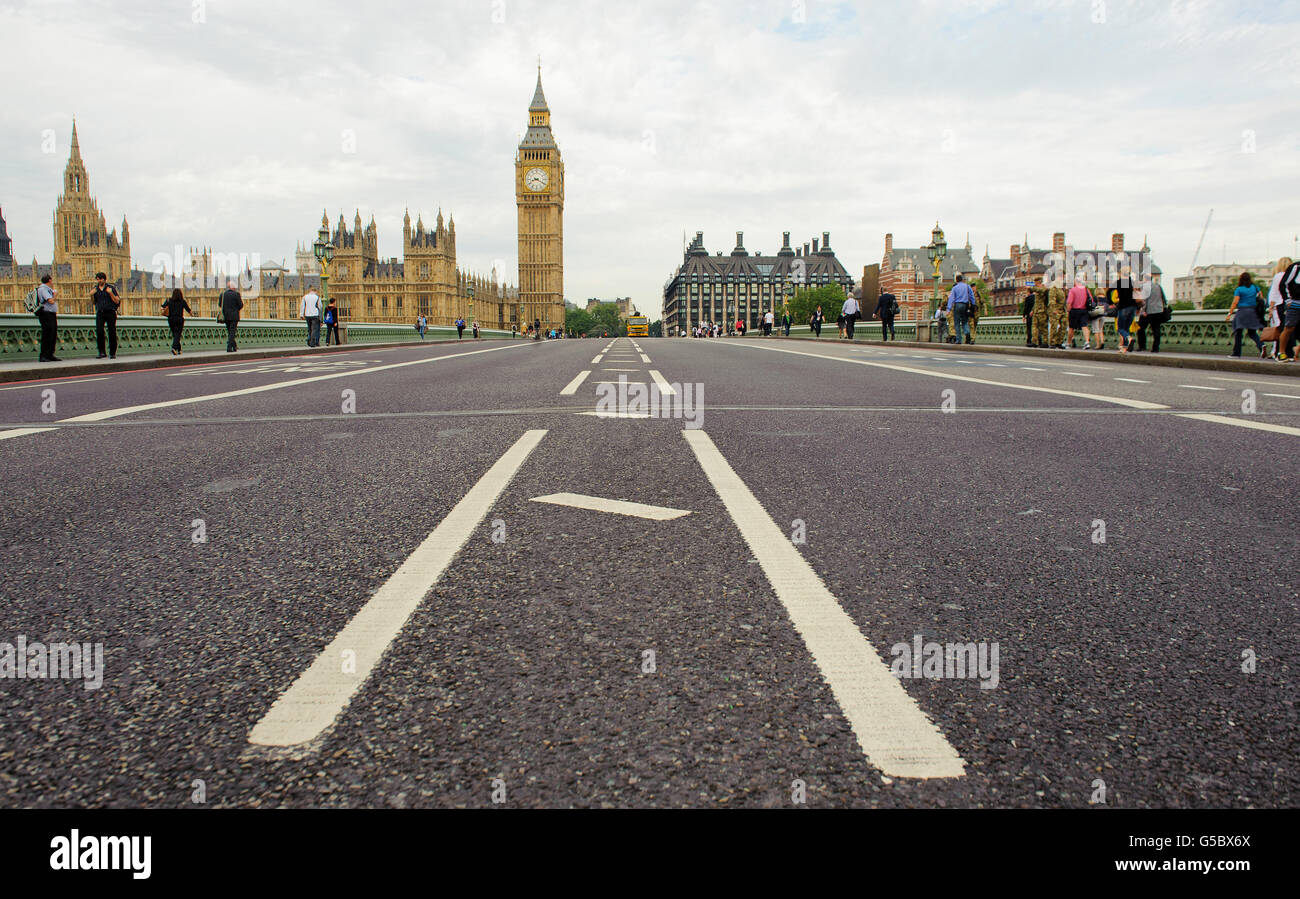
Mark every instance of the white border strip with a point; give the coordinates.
(893, 731)
(321, 693)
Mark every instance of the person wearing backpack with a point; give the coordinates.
(1247, 314)
(47, 310)
(176, 307)
(1155, 314)
(332, 322)
(887, 308)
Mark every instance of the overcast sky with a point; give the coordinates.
(226, 123)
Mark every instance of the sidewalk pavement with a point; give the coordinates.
(1201, 361)
(31, 370)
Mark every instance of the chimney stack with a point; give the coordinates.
(1117, 243)
(785, 240)
(1058, 242)
(826, 241)
(1015, 252)
(805, 248)
(814, 245)
(889, 243)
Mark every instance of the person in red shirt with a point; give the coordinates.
(1076, 305)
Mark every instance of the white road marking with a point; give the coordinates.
(891, 728)
(995, 364)
(1131, 380)
(323, 691)
(596, 361)
(1031, 368)
(22, 432)
(1289, 396)
(572, 387)
(262, 388)
(1236, 380)
(621, 369)
(604, 414)
(1077, 374)
(54, 383)
(1242, 423)
(645, 358)
(624, 381)
(665, 388)
(1117, 400)
(1199, 387)
(617, 506)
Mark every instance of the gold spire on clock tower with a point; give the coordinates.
(539, 196)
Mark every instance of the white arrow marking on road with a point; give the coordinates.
(895, 734)
(664, 387)
(617, 506)
(322, 692)
(572, 387)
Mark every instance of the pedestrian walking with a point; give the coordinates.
(47, 311)
(460, 328)
(476, 330)
(106, 302)
(228, 308)
(785, 322)
(942, 333)
(815, 321)
(422, 325)
(1247, 314)
(537, 329)
(1289, 287)
(1097, 311)
(1277, 305)
(886, 309)
(1056, 318)
(176, 307)
(332, 323)
(960, 299)
(851, 311)
(974, 312)
(840, 322)
(1125, 310)
(767, 323)
(309, 311)
(1076, 303)
(1155, 312)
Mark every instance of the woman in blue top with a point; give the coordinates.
(1248, 309)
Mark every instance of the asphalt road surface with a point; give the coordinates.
(411, 577)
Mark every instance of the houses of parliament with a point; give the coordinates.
(425, 281)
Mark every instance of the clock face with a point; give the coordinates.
(536, 179)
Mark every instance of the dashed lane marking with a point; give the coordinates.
(1077, 374)
(616, 506)
(621, 369)
(645, 358)
(320, 694)
(572, 387)
(1132, 380)
(596, 361)
(1289, 396)
(54, 383)
(664, 387)
(1199, 387)
(891, 728)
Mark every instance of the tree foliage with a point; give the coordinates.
(804, 302)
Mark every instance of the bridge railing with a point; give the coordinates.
(20, 335)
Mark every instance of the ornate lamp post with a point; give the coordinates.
(324, 251)
(469, 292)
(937, 249)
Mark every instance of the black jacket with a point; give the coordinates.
(176, 311)
(231, 303)
(885, 305)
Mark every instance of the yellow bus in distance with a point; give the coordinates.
(638, 326)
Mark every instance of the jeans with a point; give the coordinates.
(106, 318)
(231, 328)
(49, 333)
(961, 321)
(887, 326)
(177, 325)
(332, 329)
(1236, 340)
(1123, 319)
(313, 330)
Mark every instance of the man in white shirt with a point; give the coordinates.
(767, 323)
(850, 310)
(309, 309)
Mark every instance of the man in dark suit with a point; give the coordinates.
(231, 303)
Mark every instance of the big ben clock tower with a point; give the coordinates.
(539, 194)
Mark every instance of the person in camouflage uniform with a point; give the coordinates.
(1040, 314)
(1056, 317)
